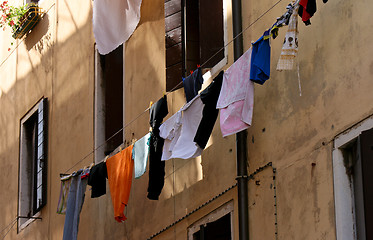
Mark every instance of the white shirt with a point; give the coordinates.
(180, 129)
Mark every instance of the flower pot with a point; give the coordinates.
(28, 21)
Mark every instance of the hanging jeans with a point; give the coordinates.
(74, 205)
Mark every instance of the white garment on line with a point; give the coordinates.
(180, 129)
(290, 47)
(114, 21)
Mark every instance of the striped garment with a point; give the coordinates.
(65, 186)
(290, 47)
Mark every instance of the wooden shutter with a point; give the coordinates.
(174, 43)
(211, 31)
(366, 148)
(41, 171)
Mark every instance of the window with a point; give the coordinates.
(109, 99)
(33, 163)
(215, 226)
(195, 32)
(353, 184)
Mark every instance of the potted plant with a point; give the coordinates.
(21, 19)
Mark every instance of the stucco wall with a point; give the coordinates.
(294, 132)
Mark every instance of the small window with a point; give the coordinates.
(215, 226)
(353, 186)
(195, 35)
(108, 102)
(33, 163)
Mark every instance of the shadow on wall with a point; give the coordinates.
(36, 35)
(64, 74)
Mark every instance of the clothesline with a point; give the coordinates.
(138, 116)
(167, 93)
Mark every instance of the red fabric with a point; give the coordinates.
(305, 15)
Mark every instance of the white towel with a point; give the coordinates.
(114, 21)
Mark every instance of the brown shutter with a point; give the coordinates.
(174, 56)
(211, 31)
(366, 148)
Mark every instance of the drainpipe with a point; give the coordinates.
(241, 137)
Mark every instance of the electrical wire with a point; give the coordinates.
(9, 224)
(138, 116)
(12, 225)
(19, 43)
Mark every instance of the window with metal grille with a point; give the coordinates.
(33, 163)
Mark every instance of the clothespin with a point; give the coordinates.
(106, 158)
(191, 72)
(64, 176)
(150, 104)
(133, 141)
(198, 66)
(164, 93)
(92, 164)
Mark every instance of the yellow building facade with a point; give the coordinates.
(306, 122)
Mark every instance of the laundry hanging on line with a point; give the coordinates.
(236, 112)
(158, 111)
(179, 131)
(236, 99)
(290, 47)
(140, 155)
(192, 84)
(74, 204)
(97, 179)
(209, 97)
(64, 193)
(119, 171)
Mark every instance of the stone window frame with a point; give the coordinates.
(345, 219)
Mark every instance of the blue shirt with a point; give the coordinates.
(261, 59)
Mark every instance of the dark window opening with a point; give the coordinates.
(112, 84)
(217, 230)
(358, 157)
(194, 36)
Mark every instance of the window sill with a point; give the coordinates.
(28, 222)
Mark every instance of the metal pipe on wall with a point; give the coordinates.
(241, 137)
